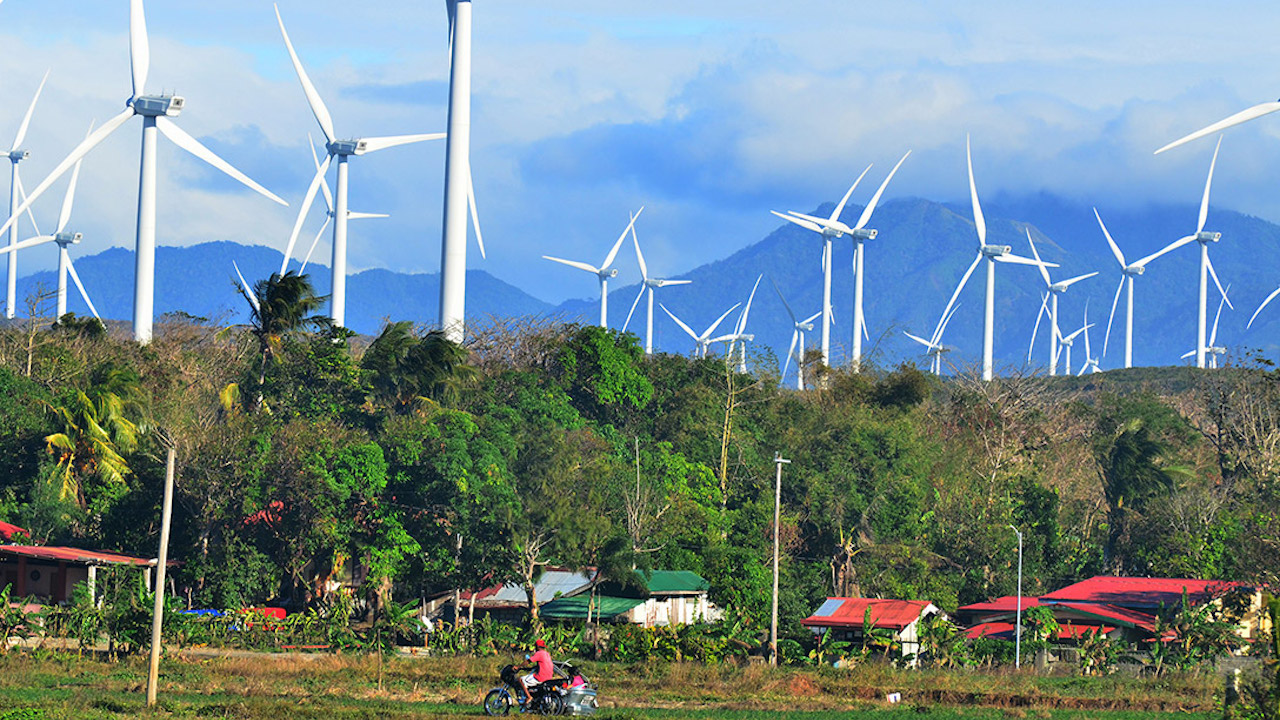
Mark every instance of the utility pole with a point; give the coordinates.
(1017, 633)
(157, 616)
(777, 513)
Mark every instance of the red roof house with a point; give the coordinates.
(1140, 593)
(52, 573)
(7, 531)
(847, 615)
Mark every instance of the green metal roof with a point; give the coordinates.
(663, 582)
(575, 608)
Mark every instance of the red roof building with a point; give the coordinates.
(846, 616)
(51, 573)
(1140, 593)
(7, 531)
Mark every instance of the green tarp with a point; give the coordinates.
(575, 608)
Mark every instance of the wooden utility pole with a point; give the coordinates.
(157, 616)
(777, 513)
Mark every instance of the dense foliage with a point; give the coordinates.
(409, 466)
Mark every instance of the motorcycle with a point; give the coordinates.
(569, 692)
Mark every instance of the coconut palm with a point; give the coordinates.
(97, 429)
(280, 305)
(406, 368)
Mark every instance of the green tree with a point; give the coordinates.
(280, 305)
(405, 368)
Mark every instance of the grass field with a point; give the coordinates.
(277, 687)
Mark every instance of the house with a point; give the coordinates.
(670, 597)
(9, 532)
(51, 573)
(846, 617)
(509, 602)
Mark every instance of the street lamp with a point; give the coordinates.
(777, 512)
(1017, 633)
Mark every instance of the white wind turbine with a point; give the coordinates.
(156, 111)
(739, 338)
(328, 201)
(343, 150)
(831, 228)
(799, 328)
(1055, 290)
(703, 341)
(459, 193)
(1214, 350)
(650, 284)
(1127, 273)
(1090, 362)
(604, 272)
(933, 346)
(63, 238)
(992, 254)
(17, 155)
(1065, 343)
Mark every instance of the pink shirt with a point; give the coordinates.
(543, 659)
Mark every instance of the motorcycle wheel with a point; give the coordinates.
(497, 702)
(551, 704)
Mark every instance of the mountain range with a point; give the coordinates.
(913, 266)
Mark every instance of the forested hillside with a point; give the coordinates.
(437, 466)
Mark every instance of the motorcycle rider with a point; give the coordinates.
(541, 670)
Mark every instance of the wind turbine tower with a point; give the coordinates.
(457, 175)
(17, 155)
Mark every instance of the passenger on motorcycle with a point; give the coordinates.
(542, 669)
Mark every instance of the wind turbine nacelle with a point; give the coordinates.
(865, 234)
(1135, 269)
(159, 105)
(996, 250)
(65, 238)
(347, 147)
(1204, 236)
(610, 273)
(19, 155)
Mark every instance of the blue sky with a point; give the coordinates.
(710, 114)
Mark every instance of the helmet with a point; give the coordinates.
(540, 643)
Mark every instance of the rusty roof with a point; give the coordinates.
(849, 612)
(71, 555)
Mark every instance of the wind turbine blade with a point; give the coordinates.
(835, 215)
(29, 242)
(1214, 274)
(573, 263)
(806, 224)
(1115, 249)
(313, 96)
(314, 242)
(978, 220)
(918, 339)
(1044, 304)
(1088, 353)
(75, 278)
(184, 140)
(875, 199)
(634, 303)
(942, 326)
(1044, 273)
(328, 197)
(1243, 116)
(668, 283)
(475, 216)
(1166, 249)
(778, 290)
(679, 322)
(139, 47)
(248, 291)
(22, 196)
(812, 317)
(69, 161)
(374, 144)
(1204, 203)
(1213, 336)
(791, 350)
(1111, 318)
(613, 251)
(746, 312)
(26, 119)
(1076, 279)
(1187, 355)
(716, 324)
(822, 222)
(973, 266)
(362, 215)
(1019, 260)
(303, 210)
(69, 199)
(1075, 334)
(644, 269)
(1270, 297)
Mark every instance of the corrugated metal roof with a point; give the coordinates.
(575, 608)
(849, 612)
(1008, 603)
(553, 582)
(69, 554)
(1139, 592)
(675, 582)
(7, 530)
(1000, 630)
(1124, 617)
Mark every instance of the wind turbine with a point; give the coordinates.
(933, 346)
(799, 328)
(459, 193)
(1127, 273)
(740, 337)
(650, 284)
(703, 341)
(63, 239)
(343, 150)
(992, 254)
(1090, 362)
(1051, 301)
(1065, 343)
(17, 155)
(604, 272)
(328, 201)
(156, 111)
(1214, 350)
(831, 228)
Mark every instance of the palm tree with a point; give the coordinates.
(96, 432)
(406, 368)
(280, 305)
